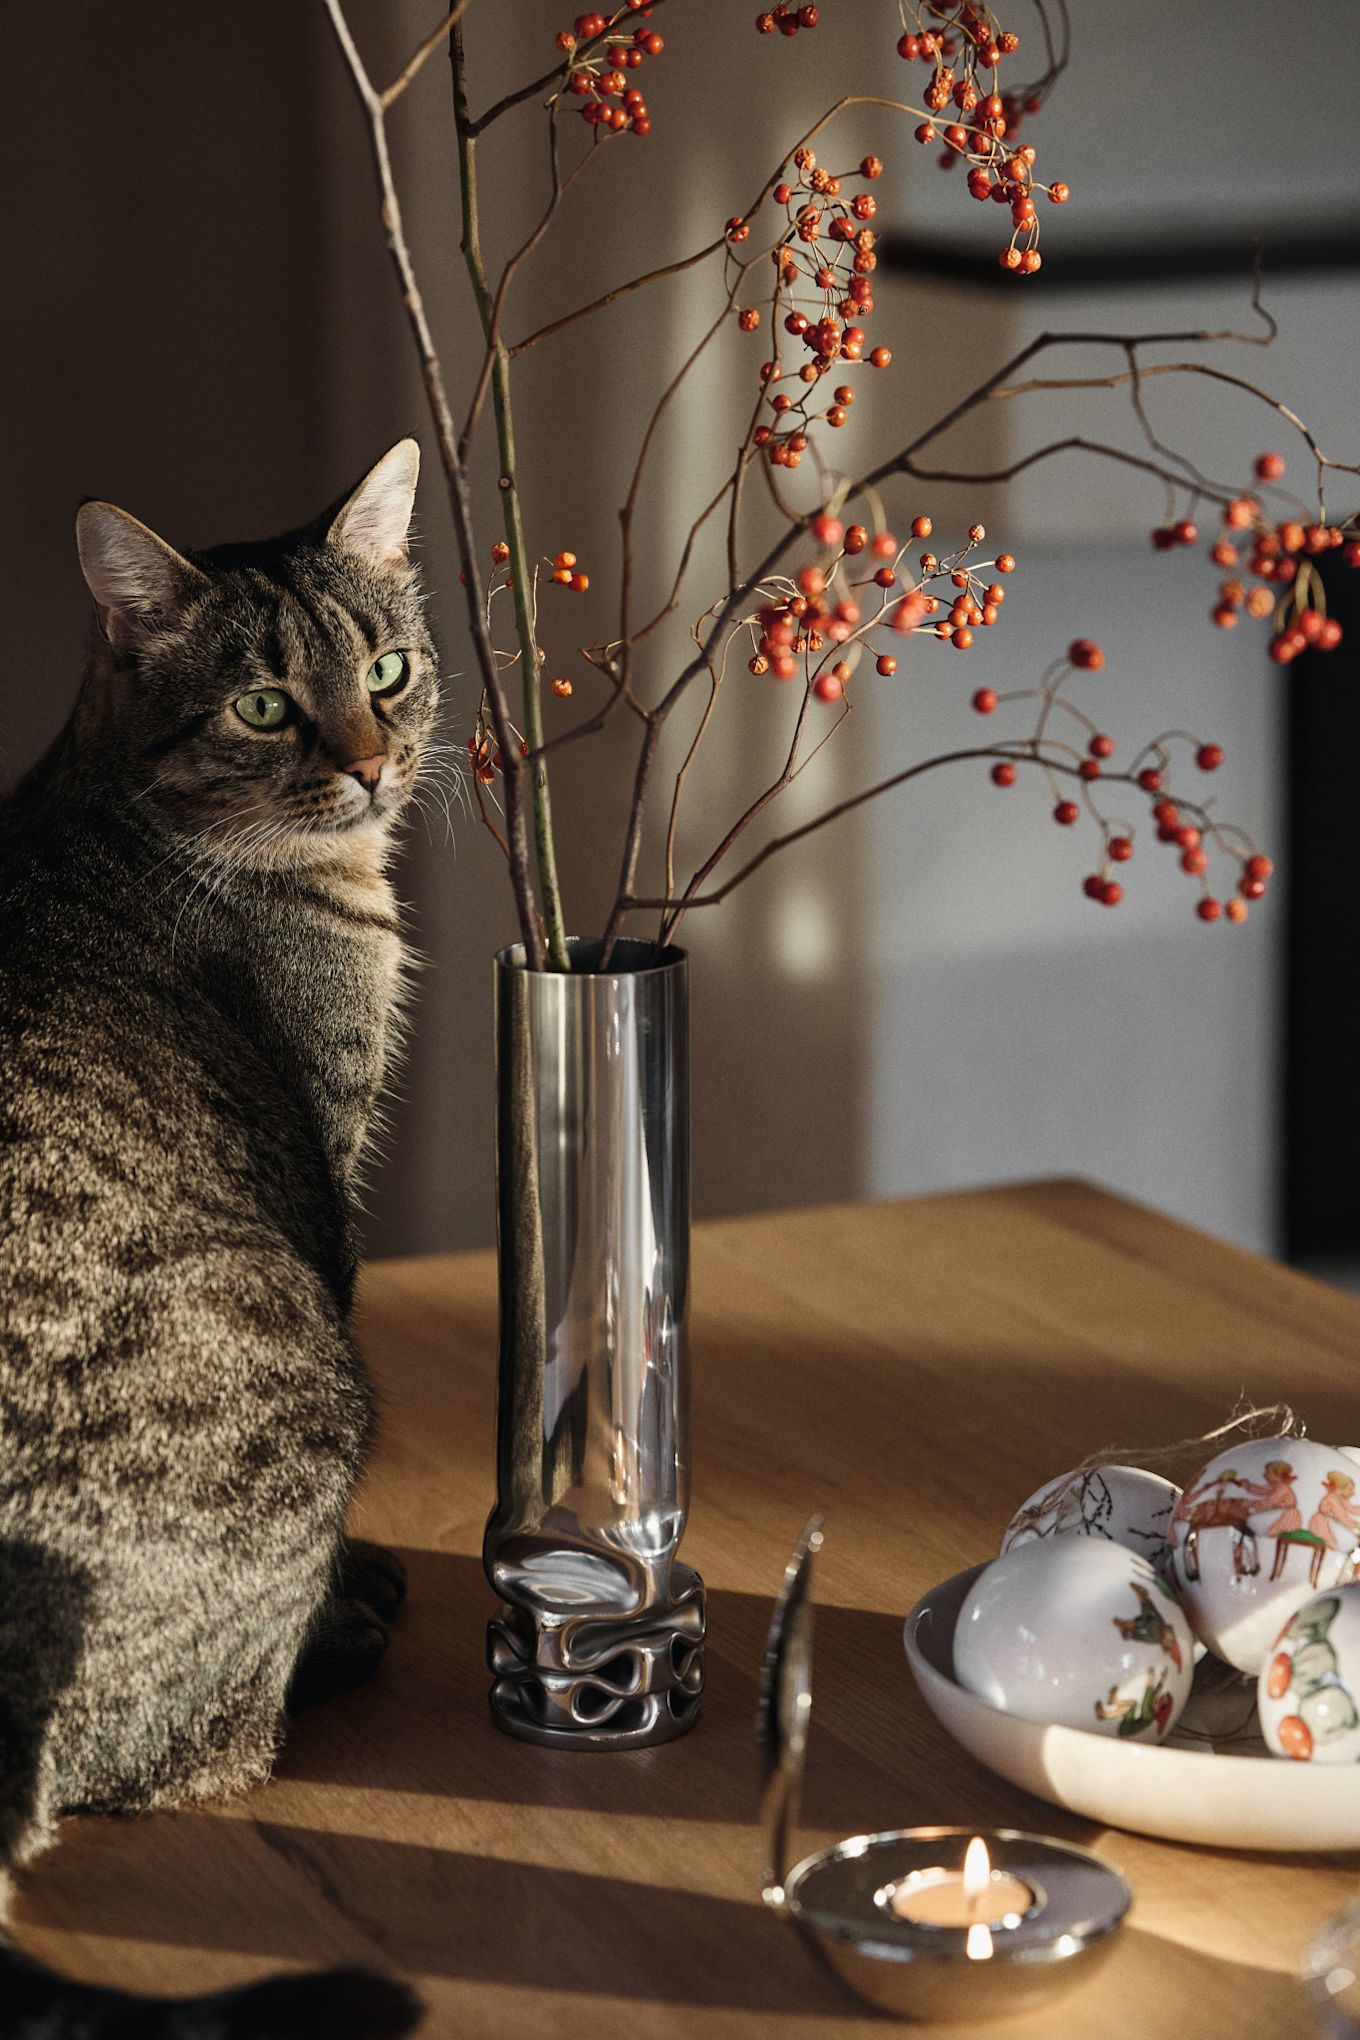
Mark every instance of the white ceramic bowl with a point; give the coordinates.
(1225, 1791)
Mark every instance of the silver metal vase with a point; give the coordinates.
(598, 1643)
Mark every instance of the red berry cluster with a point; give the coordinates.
(566, 574)
(1280, 553)
(958, 56)
(816, 625)
(786, 19)
(824, 264)
(1005, 175)
(1188, 827)
(599, 75)
(958, 46)
(1190, 838)
(962, 44)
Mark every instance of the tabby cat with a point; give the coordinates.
(199, 963)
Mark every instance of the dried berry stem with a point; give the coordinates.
(388, 98)
(1018, 753)
(455, 473)
(539, 85)
(544, 843)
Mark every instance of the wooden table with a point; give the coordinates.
(915, 1369)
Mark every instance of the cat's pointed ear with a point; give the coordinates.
(375, 519)
(139, 583)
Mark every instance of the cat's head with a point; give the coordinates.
(262, 698)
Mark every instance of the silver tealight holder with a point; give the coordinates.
(935, 1923)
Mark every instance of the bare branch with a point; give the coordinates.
(545, 848)
(906, 465)
(426, 50)
(460, 497)
(559, 187)
(612, 296)
(1016, 754)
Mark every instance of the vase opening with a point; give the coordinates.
(632, 957)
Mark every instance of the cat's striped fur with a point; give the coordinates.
(199, 955)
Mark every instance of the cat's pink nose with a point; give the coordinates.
(367, 771)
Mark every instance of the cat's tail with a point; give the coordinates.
(339, 2004)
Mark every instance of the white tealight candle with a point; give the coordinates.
(975, 1897)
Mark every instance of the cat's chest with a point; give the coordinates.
(325, 961)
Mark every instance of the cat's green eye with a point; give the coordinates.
(264, 708)
(387, 673)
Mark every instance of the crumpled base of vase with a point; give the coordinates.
(579, 1681)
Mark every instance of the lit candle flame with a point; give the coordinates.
(977, 1873)
(977, 1876)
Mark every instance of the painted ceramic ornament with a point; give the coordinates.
(1308, 1694)
(1122, 1504)
(1258, 1532)
(1076, 1631)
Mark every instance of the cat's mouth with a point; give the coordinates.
(375, 816)
(352, 808)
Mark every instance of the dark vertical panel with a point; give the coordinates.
(1322, 1077)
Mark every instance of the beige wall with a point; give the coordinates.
(202, 324)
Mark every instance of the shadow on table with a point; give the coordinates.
(877, 1757)
(278, 1895)
(280, 1880)
(299, 1895)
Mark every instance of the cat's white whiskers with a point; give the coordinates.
(216, 871)
(186, 848)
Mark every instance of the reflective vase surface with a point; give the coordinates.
(598, 1642)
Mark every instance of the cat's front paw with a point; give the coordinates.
(373, 1574)
(347, 1644)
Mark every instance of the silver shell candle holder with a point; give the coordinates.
(1042, 1920)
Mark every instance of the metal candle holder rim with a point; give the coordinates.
(588, 950)
(889, 1939)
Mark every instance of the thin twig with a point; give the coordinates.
(485, 817)
(1138, 373)
(716, 679)
(455, 473)
(905, 464)
(612, 296)
(388, 98)
(559, 187)
(743, 822)
(1018, 754)
(530, 678)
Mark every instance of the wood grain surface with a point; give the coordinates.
(914, 1369)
